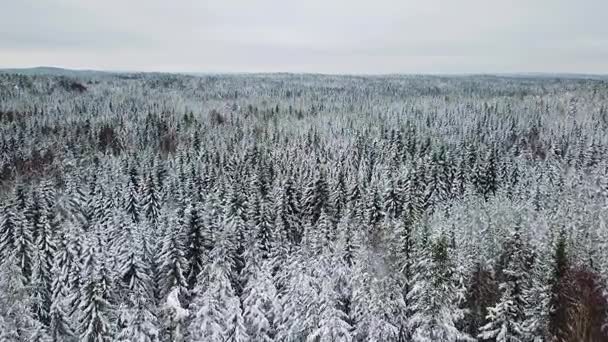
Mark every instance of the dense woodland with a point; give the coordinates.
(155, 207)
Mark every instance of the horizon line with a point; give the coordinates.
(354, 74)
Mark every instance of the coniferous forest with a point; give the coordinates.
(284, 207)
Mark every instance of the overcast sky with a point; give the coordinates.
(325, 36)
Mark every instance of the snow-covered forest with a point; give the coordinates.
(157, 207)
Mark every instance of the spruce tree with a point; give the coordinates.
(260, 301)
(172, 262)
(10, 223)
(316, 197)
(95, 325)
(60, 326)
(434, 296)
(132, 201)
(216, 311)
(196, 253)
(16, 320)
(505, 320)
(151, 200)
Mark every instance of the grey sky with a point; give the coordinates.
(340, 36)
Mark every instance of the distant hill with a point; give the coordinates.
(54, 71)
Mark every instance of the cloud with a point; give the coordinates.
(340, 36)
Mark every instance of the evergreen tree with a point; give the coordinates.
(44, 254)
(172, 262)
(559, 283)
(299, 305)
(196, 245)
(506, 318)
(134, 268)
(151, 200)
(174, 317)
(95, 325)
(260, 301)
(339, 194)
(537, 299)
(316, 198)
(392, 199)
(60, 327)
(287, 223)
(16, 320)
(132, 201)
(373, 313)
(24, 248)
(10, 223)
(216, 310)
(435, 297)
(261, 222)
(333, 323)
(139, 322)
